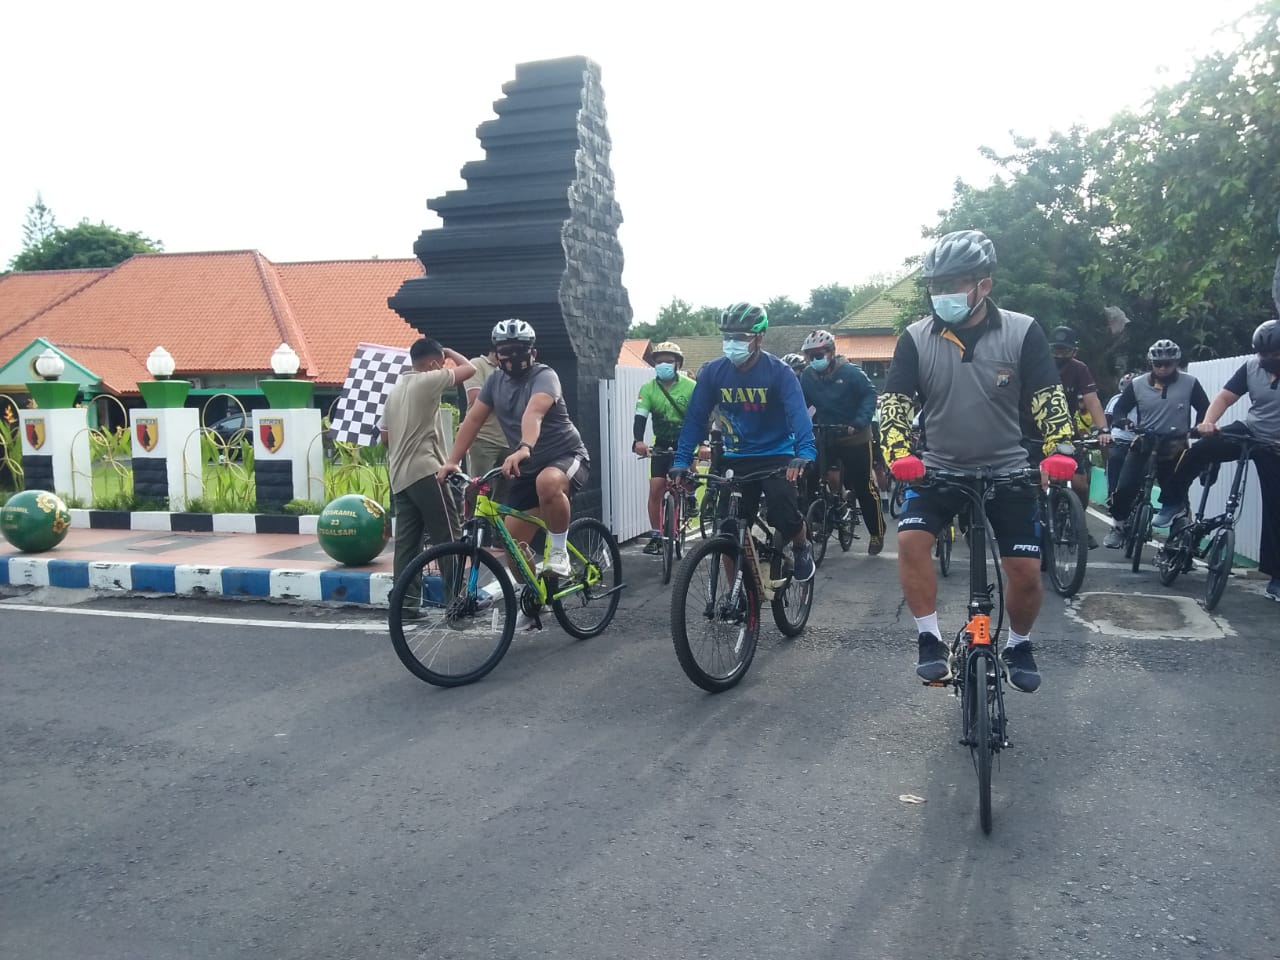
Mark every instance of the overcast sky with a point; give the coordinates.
(759, 150)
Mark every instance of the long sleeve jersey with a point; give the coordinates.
(845, 398)
(762, 411)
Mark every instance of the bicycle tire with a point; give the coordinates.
(846, 530)
(1221, 554)
(1141, 531)
(897, 497)
(978, 704)
(668, 537)
(461, 626)
(596, 564)
(705, 591)
(791, 604)
(1171, 558)
(1068, 542)
(707, 512)
(942, 549)
(816, 519)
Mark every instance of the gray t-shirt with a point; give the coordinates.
(1263, 392)
(509, 397)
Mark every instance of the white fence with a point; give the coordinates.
(624, 478)
(1213, 374)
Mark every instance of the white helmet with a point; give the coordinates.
(513, 331)
(819, 340)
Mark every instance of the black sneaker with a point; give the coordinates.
(654, 546)
(1020, 665)
(934, 663)
(802, 562)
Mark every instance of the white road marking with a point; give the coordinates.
(358, 625)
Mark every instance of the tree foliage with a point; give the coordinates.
(39, 225)
(784, 311)
(84, 245)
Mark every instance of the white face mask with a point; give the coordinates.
(665, 371)
(737, 351)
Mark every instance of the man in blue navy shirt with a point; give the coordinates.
(765, 422)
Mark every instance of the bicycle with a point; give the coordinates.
(453, 609)
(676, 510)
(1138, 523)
(943, 546)
(717, 591)
(828, 509)
(978, 673)
(707, 509)
(1212, 540)
(1064, 539)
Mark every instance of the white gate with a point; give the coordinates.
(624, 478)
(1213, 374)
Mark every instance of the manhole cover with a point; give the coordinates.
(1146, 616)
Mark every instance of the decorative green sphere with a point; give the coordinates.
(353, 529)
(35, 521)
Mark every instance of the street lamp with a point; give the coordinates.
(160, 364)
(284, 362)
(49, 365)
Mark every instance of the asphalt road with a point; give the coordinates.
(176, 788)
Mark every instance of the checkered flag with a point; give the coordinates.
(373, 372)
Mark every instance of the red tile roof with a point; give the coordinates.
(632, 353)
(214, 312)
(866, 347)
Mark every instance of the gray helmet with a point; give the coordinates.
(1267, 337)
(513, 331)
(1164, 350)
(818, 340)
(744, 317)
(964, 253)
(795, 361)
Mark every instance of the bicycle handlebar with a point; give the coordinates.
(933, 478)
(462, 480)
(746, 478)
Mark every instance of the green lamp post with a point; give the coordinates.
(49, 392)
(163, 392)
(284, 392)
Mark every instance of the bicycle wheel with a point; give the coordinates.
(1222, 552)
(977, 698)
(1141, 530)
(669, 534)
(942, 549)
(707, 512)
(452, 614)
(586, 600)
(1068, 542)
(1171, 558)
(816, 518)
(845, 530)
(792, 603)
(714, 634)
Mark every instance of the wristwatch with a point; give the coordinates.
(528, 446)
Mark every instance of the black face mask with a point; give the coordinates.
(1061, 362)
(1271, 366)
(518, 365)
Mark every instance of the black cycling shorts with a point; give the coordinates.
(660, 462)
(523, 492)
(1014, 513)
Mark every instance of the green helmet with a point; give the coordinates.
(744, 317)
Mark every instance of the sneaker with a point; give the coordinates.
(1114, 540)
(875, 546)
(1093, 542)
(802, 562)
(654, 546)
(1020, 666)
(1273, 588)
(933, 665)
(527, 624)
(1169, 512)
(557, 563)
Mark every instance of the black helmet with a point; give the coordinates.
(744, 317)
(1164, 350)
(964, 253)
(1063, 337)
(1267, 337)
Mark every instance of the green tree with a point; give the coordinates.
(39, 225)
(84, 245)
(679, 318)
(783, 311)
(827, 304)
(1194, 182)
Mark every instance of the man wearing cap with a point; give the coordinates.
(665, 398)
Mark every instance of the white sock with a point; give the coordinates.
(929, 624)
(558, 540)
(1015, 639)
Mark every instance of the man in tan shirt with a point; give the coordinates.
(415, 451)
(490, 446)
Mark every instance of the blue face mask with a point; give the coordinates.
(737, 351)
(665, 371)
(819, 364)
(952, 308)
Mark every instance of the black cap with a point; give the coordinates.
(1063, 337)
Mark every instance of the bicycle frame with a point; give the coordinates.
(1201, 527)
(767, 586)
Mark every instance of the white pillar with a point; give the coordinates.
(288, 455)
(171, 467)
(55, 443)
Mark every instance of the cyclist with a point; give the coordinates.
(666, 398)
(841, 396)
(1164, 400)
(796, 362)
(1121, 437)
(1086, 410)
(765, 424)
(975, 368)
(1259, 378)
(549, 462)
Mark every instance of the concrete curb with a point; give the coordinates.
(312, 586)
(168, 522)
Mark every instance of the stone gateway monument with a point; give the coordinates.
(534, 235)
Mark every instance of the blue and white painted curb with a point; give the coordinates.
(184, 579)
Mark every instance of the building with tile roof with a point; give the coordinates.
(220, 315)
(868, 335)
